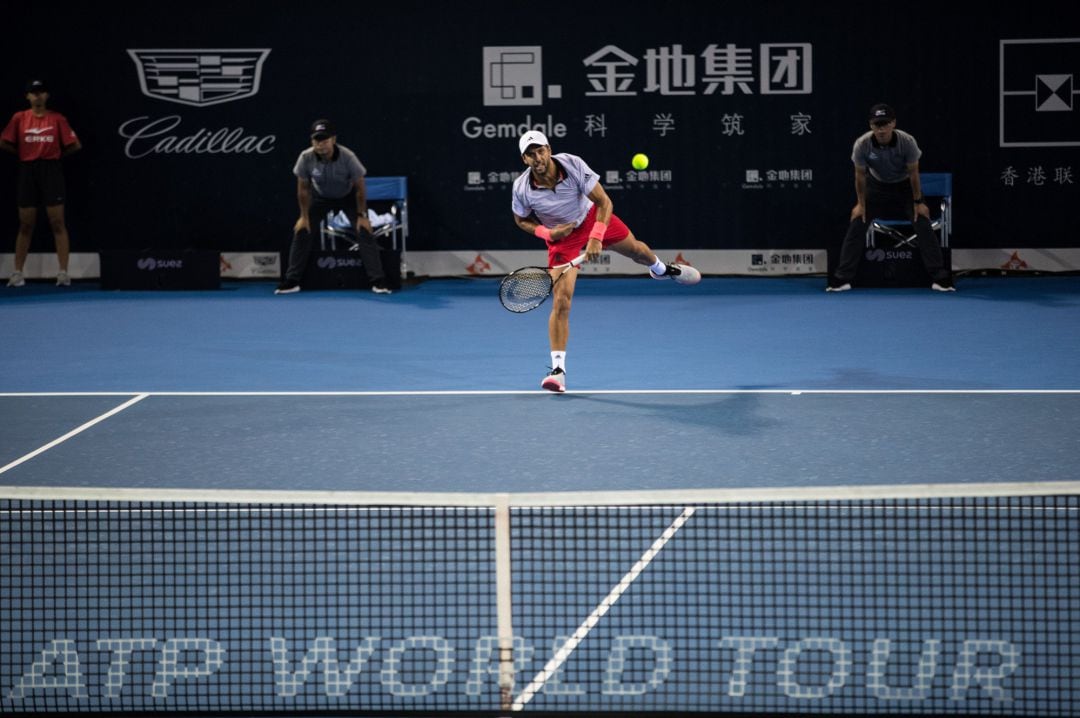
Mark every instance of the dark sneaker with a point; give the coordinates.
(288, 286)
(555, 381)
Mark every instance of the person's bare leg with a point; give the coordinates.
(60, 234)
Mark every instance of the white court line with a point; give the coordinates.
(589, 623)
(73, 432)
(540, 392)
(574, 499)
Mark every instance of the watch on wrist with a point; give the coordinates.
(920, 200)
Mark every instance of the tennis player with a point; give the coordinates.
(560, 199)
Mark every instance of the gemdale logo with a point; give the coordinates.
(513, 75)
(199, 77)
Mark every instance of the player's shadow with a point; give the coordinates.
(730, 414)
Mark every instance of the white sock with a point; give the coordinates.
(558, 360)
(659, 268)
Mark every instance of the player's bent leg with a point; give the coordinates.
(633, 248)
(640, 252)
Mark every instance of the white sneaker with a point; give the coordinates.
(681, 273)
(845, 287)
(287, 286)
(16, 280)
(62, 279)
(555, 381)
(943, 287)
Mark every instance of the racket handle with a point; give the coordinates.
(575, 262)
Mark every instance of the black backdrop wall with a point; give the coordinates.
(747, 111)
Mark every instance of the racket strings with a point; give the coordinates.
(524, 289)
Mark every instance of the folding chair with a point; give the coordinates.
(382, 191)
(337, 226)
(902, 232)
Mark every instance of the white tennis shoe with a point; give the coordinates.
(681, 273)
(555, 381)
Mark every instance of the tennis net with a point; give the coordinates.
(959, 604)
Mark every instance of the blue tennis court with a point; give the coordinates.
(755, 497)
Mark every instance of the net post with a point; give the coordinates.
(503, 602)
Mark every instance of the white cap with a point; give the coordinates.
(531, 138)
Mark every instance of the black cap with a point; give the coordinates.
(36, 86)
(321, 129)
(882, 113)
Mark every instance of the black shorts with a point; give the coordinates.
(41, 184)
(889, 200)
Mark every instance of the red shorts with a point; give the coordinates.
(571, 246)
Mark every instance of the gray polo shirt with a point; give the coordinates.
(333, 179)
(886, 163)
(567, 202)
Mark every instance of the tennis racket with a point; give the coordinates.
(525, 289)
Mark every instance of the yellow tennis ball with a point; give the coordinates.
(640, 161)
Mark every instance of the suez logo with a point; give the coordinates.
(882, 255)
(810, 668)
(152, 264)
(338, 263)
(196, 78)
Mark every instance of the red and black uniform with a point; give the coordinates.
(40, 142)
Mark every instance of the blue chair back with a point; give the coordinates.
(936, 184)
(392, 188)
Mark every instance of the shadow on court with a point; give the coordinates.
(733, 415)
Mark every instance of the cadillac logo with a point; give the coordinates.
(199, 77)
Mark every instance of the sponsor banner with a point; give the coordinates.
(267, 265)
(1017, 260)
(160, 269)
(42, 265)
(741, 262)
(895, 267)
(250, 265)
